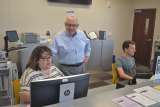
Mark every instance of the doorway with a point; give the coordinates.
(143, 31)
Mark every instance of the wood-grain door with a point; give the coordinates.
(143, 31)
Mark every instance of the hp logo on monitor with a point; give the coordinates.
(67, 92)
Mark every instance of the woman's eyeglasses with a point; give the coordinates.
(45, 58)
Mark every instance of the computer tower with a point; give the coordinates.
(102, 35)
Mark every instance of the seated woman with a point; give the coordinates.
(39, 67)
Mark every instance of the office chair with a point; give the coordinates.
(115, 78)
(16, 90)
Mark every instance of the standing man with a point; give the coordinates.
(125, 64)
(72, 48)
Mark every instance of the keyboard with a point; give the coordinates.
(146, 75)
(16, 48)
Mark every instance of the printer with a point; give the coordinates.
(30, 37)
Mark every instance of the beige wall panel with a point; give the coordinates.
(39, 16)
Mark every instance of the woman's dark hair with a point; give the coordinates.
(127, 43)
(36, 56)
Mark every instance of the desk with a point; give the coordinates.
(103, 99)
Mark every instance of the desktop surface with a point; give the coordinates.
(104, 99)
(101, 99)
(16, 48)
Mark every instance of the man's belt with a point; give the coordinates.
(73, 65)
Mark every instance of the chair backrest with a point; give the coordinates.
(16, 90)
(115, 78)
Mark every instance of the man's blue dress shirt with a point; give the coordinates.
(71, 49)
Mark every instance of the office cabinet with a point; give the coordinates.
(101, 55)
(107, 52)
(95, 57)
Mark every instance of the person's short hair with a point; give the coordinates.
(126, 44)
(36, 55)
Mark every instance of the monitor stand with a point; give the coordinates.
(6, 45)
(12, 48)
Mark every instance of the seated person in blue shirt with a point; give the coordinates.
(39, 67)
(72, 48)
(125, 65)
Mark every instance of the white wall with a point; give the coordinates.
(39, 16)
(143, 4)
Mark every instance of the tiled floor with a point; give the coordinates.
(101, 77)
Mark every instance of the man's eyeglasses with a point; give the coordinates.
(73, 25)
(47, 58)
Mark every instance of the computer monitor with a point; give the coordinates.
(56, 90)
(12, 36)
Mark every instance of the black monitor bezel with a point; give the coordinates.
(47, 86)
